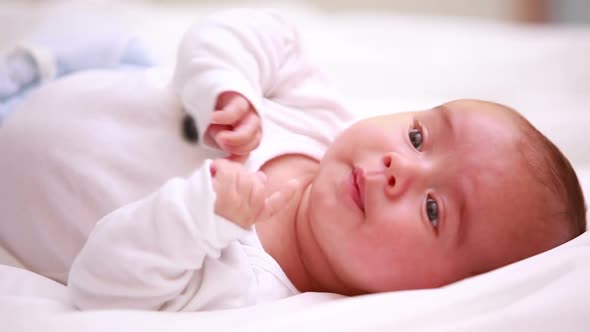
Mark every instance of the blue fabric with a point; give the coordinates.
(17, 70)
(80, 43)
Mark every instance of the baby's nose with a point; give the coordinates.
(400, 172)
(389, 174)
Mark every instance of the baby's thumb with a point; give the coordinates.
(278, 200)
(238, 158)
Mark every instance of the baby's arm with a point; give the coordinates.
(256, 54)
(172, 250)
(237, 51)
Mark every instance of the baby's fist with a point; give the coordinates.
(235, 125)
(242, 196)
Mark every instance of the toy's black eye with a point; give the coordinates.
(189, 129)
(416, 138)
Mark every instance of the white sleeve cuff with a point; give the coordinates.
(199, 96)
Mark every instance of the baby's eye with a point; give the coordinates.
(416, 138)
(432, 211)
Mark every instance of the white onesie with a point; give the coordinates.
(83, 146)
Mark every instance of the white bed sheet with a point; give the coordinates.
(548, 292)
(384, 62)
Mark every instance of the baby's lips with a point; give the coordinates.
(359, 180)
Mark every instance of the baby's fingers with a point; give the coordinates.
(231, 113)
(278, 200)
(257, 195)
(214, 130)
(244, 137)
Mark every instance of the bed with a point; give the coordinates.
(387, 62)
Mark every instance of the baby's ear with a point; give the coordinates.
(190, 132)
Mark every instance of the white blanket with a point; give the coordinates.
(549, 292)
(384, 62)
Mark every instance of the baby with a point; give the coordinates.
(394, 202)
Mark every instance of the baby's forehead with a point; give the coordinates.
(507, 196)
(497, 194)
(480, 110)
(482, 133)
(483, 157)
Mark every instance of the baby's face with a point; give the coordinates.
(421, 199)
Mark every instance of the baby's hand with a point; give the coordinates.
(242, 196)
(235, 125)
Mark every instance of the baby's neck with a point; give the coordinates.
(278, 235)
(288, 237)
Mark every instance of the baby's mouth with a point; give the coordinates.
(359, 183)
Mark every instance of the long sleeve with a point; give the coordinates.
(168, 251)
(259, 54)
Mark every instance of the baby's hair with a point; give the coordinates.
(554, 171)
